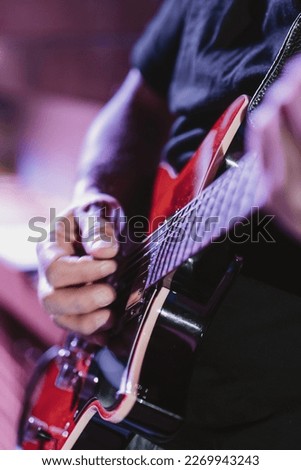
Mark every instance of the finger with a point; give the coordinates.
(264, 137)
(77, 300)
(74, 270)
(60, 241)
(291, 112)
(277, 141)
(101, 320)
(98, 233)
(278, 127)
(104, 244)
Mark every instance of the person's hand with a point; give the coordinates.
(78, 253)
(276, 137)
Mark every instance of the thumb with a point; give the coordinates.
(99, 224)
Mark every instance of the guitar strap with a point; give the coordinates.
(290, 47)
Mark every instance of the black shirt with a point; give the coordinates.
(202, 54)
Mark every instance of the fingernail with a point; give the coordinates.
(107, 267)
(103, 319)
(103, 244)
(100, 320)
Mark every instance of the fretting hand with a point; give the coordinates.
(276, 137)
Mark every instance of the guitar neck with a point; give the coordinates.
(205, 219)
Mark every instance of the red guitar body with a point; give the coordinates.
(173, 191)
(63, 400)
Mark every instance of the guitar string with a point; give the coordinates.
(173, 220)
(223, 186)
(152, 241)
(163, 253)
(163, 229)
(129, 267)
(165, 248)
(176, 256)
(174, 259)
(134, 258)
(170, 224)
(127, 271)
(172, 253)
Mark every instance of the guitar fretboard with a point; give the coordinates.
(204, 220)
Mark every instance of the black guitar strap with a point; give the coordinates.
(290, 47)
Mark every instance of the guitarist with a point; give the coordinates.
(194, 58)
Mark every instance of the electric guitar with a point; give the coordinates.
(169, 286)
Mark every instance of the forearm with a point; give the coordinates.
(123, 146)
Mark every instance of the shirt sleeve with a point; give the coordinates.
(156, 51)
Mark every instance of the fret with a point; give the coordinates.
(227, 199)
(169, 247)
(221, 204)
(159, 260)
(187, 230)
(186, 244)
(194, 209)
(175, 245)
(165, 232)
(168, 256)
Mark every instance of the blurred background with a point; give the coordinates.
(60, 60)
